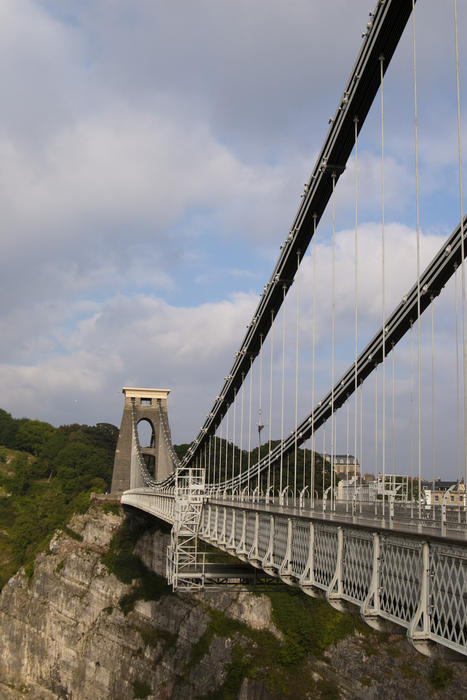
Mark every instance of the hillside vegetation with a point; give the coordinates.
(46, 475)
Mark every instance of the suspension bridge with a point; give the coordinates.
(263, 480)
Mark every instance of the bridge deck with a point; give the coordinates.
(427, 529)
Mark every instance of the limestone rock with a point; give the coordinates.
(64, 636)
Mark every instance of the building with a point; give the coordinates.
(453, 492)
(345, 465)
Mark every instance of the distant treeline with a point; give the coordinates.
(79, 456)
(226, 460)
(46, 475)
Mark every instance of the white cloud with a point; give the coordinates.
(140, 141)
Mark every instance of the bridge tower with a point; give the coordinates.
(146, 405)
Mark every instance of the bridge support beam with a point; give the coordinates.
(307, 579)
(370, 608)
(418, 632)
(335, 590)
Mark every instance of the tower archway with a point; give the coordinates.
(146, 405)
(147, 442)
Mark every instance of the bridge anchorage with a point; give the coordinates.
(298, 509)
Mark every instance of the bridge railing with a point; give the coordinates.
(437, 518)
(161, 504)
(416, 582)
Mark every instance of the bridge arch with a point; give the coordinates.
(147, 440)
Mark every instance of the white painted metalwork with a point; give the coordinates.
(185, 568)
(418, 584)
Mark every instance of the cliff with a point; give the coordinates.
(75, 629)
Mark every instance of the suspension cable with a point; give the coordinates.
(458, 397)
(461, 207)
(417, 192)
(234, 428)
(241, 429)
(393, 417)
(347, 448)
(214, 466)
(361, 438)
(226, 467)
(433, 435)
(356, 295)
(260, 408)
(221, 431)
(412, 413)
(333, 331)
(297, 334)
(376, 424)
(323, 462)
(271, 362)
(313, 353)
(249, 426)
(383, 292)
(282, 392)
(210, 456)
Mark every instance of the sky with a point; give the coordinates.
(152, 158)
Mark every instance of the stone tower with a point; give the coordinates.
(160, 464)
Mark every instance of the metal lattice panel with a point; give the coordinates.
(357, 564)
(325, 555)
(250, 529)
(263, 535)
(213, 524)
(204, 519)
(449, 594)
(300, 546)
(399, 579)
(238, 528)
(220, 526)
(280, 540)
(228, 524)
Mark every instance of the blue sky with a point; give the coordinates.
(152, 156)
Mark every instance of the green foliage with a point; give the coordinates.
(180, 450)
(48, 484)
(308, 624)
(141, 689)
(71, 533)
(328, 689)
(32, 434)
(8, 429)
(29, 570)
(114, 508)
(408, 671)
(238, 669)
(308, 627)
(440, 676)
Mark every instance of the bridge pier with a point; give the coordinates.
(144, 405)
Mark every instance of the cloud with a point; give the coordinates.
(152, 156)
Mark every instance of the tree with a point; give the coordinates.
(32, 434)
(8, 429)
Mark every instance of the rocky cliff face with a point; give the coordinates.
(63, 634)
